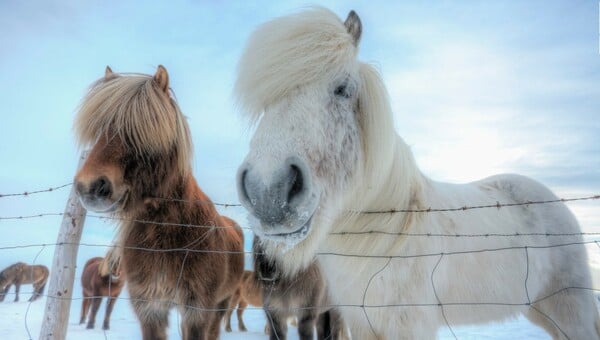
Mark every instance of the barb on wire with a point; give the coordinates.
(29, 193)
(225, 205)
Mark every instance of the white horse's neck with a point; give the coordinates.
(394, 183)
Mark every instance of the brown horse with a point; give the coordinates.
(22, 273)
(304, 296)
(101, 277)
(178, 251)
(249, 293)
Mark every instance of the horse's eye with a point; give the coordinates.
(342, 91)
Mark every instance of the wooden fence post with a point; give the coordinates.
(62, 273)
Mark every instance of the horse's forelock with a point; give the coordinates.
(133, 107)
(288, 52)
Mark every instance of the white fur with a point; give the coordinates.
(358, 164)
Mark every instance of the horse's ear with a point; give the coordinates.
(353, 26)
(162, 78)
(108, 73)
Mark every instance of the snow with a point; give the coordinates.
(22, 320)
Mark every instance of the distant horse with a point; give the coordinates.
(327, 176)
(101, 277)
(303, 295)
(22, 273)
(249, 293)
(177, 250)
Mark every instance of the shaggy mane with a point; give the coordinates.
(133, 107)
(290, 51)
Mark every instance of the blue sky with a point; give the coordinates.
(477, 87)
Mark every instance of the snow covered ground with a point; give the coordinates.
(22, 320)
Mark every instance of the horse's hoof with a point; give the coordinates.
(90, 326)
(243, 329)
(228, 329)
(105, 327)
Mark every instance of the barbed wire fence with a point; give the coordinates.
(593, 238)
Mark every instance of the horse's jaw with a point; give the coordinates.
(287, 240)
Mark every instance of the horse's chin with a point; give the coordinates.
(288, 239)
(102, 206)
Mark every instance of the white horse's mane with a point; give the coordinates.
(288, 52)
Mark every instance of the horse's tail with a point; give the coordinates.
(42, 287)
(45, 275)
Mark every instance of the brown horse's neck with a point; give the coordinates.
(178, 201)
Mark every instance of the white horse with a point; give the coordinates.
(325, 152)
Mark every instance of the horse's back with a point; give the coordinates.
(41, 270)
(545, 217)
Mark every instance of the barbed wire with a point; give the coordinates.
(341, 233)
(554, 238)
(529, 302)
(382, 256)
(29, 193)
(498, 204)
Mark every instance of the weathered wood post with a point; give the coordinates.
(62, 273)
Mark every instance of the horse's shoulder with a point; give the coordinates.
(516, 186)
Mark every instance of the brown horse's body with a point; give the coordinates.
(22, 273)
(249, 293)
(97, 284)
(178, 251)
(203, 277)
(303, 296)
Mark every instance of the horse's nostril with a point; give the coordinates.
(101, 188)
(80, 189)
(242, 185)
(297, 182)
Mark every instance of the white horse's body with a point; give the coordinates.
(325, 153)
(477, 279)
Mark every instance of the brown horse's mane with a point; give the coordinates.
(134, 108)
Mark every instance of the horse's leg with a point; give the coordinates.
(570, 314)
(4, 292)
(153, 320)
(306, 324)
(85, 306)
(36, 293)
(240, 310)
(110, 303)
(338, 327)
(276, 323)
(96, 300)
(195, 324)
(232, 305)
(215, 325)
(39, 291)
(323, 325)
(17, 288)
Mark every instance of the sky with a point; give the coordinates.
(477, 88)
